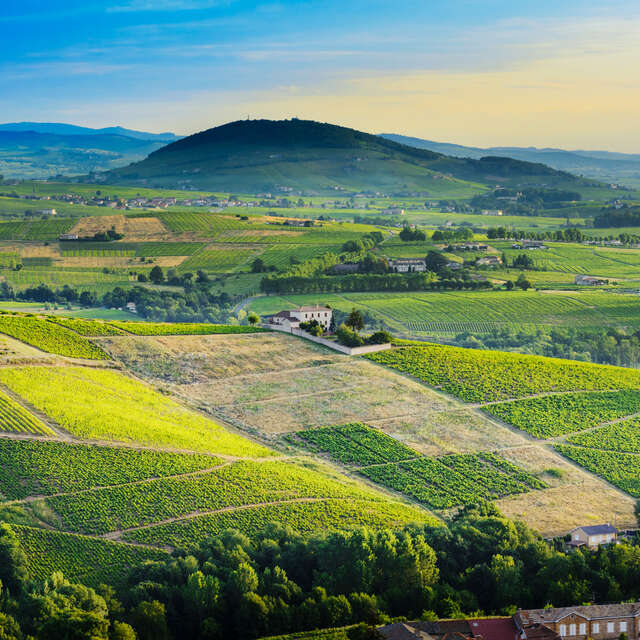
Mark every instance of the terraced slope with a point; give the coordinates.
(287, 391)
(587, 413)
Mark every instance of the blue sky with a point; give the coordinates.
(545, 73)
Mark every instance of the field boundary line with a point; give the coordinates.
(116, 535)
(592, 474)
(187, 474)
(564, 436)
(545, 394)
(29, 408)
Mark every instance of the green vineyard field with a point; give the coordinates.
(104, 404)
(86, 560)
(89, 328)
(356, 444)
(302, 516)
(454, 480)
(50, 337)
(556, 415)
(15, 419)
(181, 328)
(622, 436)
(29, 468)
(486, 376)
(620, 469)
(242, 483)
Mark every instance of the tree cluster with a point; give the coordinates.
(197, 305)
(279, 581)
(447, 235)
(353, 282)
(409, 234)
(625, 217)
(570, 234)
(603, 345)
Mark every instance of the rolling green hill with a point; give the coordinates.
(266, 155)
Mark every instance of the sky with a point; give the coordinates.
(545, 73)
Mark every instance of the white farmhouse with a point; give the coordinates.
(407, 265)
(292, 318)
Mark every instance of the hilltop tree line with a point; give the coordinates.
(599, 345)
(571, 234)
(198, 305)
(280, 581)
(625, 217)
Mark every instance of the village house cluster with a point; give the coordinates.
(587, 622)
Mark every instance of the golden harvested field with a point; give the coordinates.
(577, 498)
(134, 229)
(116, 261)
(189, 359)
(459, 430)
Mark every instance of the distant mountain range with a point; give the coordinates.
(62, 129)
(313, 157)
(39, 150)
(606, 166)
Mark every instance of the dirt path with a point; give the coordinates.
(564, 436)
(60, 433)
(543, 394)
(116, 535)
(188, 474)
(243, 304)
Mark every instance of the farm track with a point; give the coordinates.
(243, 304)
(27, 406)
(536, 395)
(115, 535)
(297, 395)
(124, 484)
(563, 437)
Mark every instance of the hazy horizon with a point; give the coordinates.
(485, 74)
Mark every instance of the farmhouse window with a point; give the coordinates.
(595, 627)
(610, 627)
(563, 630)
(572, 629)
(583, 629)
(623, 626)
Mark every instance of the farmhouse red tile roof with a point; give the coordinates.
(494, 628)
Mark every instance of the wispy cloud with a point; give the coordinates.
(167, 5)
